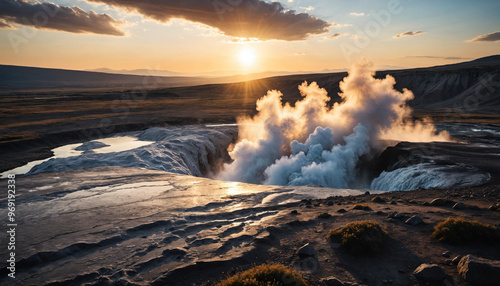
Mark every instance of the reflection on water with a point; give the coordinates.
(59, 152)
(106, 145)
(120, 144)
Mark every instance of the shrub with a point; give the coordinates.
(359, 238)
(378, 199)
(460, 230)
(361, 207)
(265, 275)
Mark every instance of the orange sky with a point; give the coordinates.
(319, 35)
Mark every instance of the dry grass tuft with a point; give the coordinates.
(460, 230)
(265, 275)
(361, 207)
(359, 238)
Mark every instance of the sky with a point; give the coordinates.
(245, 36)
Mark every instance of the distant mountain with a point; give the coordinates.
(32, 78)
(138, 72)
(472, 85)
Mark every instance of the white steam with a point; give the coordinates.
(311, 143)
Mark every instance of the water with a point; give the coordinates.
(99, 146)
(201, 150)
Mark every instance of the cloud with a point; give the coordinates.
(409, 33)
(53, 17)
(491, 37)
(308, 8)
(437, 57)
(336, 35)
(244, 19)
(5, 25)
(357, 14)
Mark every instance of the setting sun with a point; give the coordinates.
(247, 57)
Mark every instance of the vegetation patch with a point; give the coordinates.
(266, 275)
(461, 230)
(359, 238)
(361, 207)
(378, 199)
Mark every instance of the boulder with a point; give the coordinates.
(459, 206)
(456, 260)
(429, 273)
(479, 271)
(441, 202)
(415, 220)
(306, 251)
(332, 281)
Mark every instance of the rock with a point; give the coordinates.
(456, 259)
(394, 215)
(459, 206)
(331, 281)
(474, 208)
(341, 211)
(294, 212)
(448, 262)
(329, 203)
(440, 202)
(306, 251)
(394, 203)
(446, 254)
(495, 207)
(380, 213)
(479, 271)
(325, 215)
(415, 220)
(426, 204)
(367, 193)
(429, 273)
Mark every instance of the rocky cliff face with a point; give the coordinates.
(467, 88)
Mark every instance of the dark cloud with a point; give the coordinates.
(491, 37)
(237, 18)
(53, 17)
(409, 33)
(437, 57)
(336, 35)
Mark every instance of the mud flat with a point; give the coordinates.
(134, 226)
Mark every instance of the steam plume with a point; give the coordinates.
(311, 143)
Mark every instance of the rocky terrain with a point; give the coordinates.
(130, 226)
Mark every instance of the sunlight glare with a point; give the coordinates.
(247, 56)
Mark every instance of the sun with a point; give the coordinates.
(247, 57)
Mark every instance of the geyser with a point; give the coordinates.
(311, 143)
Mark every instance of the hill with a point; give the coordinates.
(33, 122)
